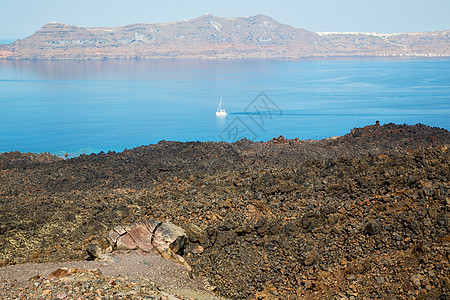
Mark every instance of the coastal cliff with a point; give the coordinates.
(211, 37)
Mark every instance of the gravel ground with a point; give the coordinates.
(123, 275)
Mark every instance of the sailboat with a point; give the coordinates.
(220, 111)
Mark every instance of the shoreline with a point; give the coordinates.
(61, 154)
(226, 59)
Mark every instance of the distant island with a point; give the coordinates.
(211, 37)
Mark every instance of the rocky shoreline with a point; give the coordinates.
(362, 216)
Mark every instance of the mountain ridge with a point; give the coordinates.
(211, 37)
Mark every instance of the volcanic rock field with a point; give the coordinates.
(362, 216)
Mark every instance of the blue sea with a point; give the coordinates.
(92, 106)
(6, 41)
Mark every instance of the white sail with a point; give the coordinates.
(220, 111)
(220, 104)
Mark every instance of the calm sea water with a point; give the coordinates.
(92, 106)
(6, 41)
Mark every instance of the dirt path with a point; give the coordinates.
(162, 274)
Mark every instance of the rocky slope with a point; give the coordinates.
(210, 37)
(363, 216)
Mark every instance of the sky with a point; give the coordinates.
(20, 18)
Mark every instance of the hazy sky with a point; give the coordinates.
(20, 18)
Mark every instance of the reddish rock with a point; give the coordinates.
(61, 295)
(58, 273)
(198, 250)
(125, 242)
(151, 225)
(141, 236)
(62, 272)
(148, 234)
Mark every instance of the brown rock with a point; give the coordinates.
(112, 237)
(120, 230)
(93, 250)
(58, 273)
(408, 286)
(168, 235)
(62, 272)
(371, 228)
(380, 280)
(196, 234)
(416, 280)
(311, 257)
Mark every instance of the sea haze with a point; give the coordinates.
(91, 106)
